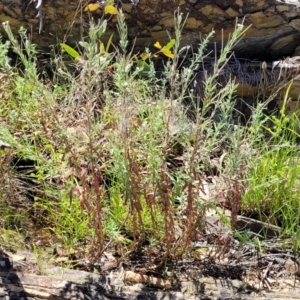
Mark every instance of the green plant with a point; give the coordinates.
(11, 240)
(284, 127)
(117, 161)
(27, 57)
(273, 174)
(273, 186)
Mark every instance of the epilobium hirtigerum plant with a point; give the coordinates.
(120, 157)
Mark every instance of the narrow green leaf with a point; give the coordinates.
(72, 52)
(170, 44)
(102, 29)
(143, 66)
(285, 100)
(83, 44)
(108, 43)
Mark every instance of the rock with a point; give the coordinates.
(62, 283)
(274, 31)
(258, 78)
(130, 276)
(4, 145)
(291, 266)
(257, 81)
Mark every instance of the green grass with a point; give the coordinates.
(118, 162)
(274, 173)
(273, 186)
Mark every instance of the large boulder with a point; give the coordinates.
(274, 31)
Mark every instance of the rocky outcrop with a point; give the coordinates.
(274, 31)
(260, 80)
(61, 283)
